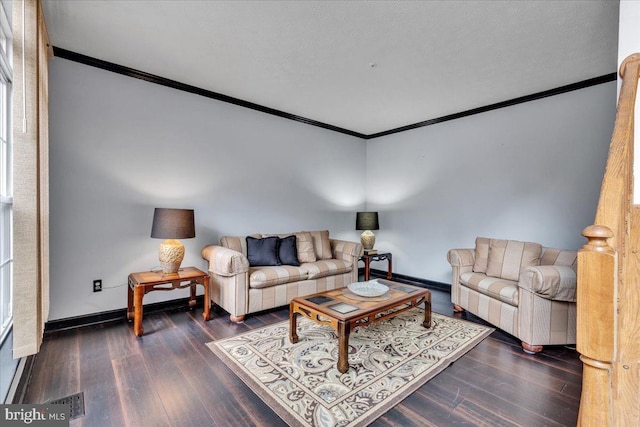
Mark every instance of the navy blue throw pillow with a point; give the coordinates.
(262, 251)
(288, 251)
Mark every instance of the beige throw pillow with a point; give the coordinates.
(482, 255)
(321, 244)
(507, 257)
(306, 252)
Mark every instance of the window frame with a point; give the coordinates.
(6, 178)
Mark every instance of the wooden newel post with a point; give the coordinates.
(608, 294)
(596, 324)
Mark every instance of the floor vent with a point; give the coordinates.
(75, 402)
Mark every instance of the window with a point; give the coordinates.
(6, 186)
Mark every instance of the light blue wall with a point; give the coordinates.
(528, 172)
(120, 147)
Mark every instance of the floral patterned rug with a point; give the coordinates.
(387, 362)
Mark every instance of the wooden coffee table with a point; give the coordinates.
(343, 311)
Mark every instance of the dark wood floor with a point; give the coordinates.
(170, 378)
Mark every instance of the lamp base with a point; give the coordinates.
(171, 254)
(368, 239)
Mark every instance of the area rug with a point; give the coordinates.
(387, 361)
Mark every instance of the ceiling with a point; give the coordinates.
(364, 66)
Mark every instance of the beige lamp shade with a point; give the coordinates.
(172, 224)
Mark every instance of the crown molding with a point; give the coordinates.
(152, 78)
(527, 98)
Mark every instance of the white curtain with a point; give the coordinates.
(31, 51)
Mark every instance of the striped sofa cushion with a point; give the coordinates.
(552, 256)
(263, 277)
(500, 289)
(508, 257)
(326, 267)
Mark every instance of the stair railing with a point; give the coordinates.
(608, 294)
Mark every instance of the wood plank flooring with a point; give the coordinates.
(170, 378)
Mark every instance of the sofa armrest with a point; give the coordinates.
(224, 261)
(461, 261)
(553, 282)
(346, 251)
(461, 257)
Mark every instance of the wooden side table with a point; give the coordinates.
(380, 256)
(147, 281)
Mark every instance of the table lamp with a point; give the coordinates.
(172, 224)
(367, 221)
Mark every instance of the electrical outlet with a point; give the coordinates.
(97, 285)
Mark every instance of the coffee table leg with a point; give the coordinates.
(344, 329)
(427, 311)
(293, 326)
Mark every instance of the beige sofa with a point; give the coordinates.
(522, 288)
(240, 288)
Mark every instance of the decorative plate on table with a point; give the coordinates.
(368, 289)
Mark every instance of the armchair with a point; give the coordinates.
(522, 288)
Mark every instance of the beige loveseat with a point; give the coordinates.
(522, 288)
(240, 288)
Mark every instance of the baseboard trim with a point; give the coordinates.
(115, 315)
(120, 315)
(20, 380)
